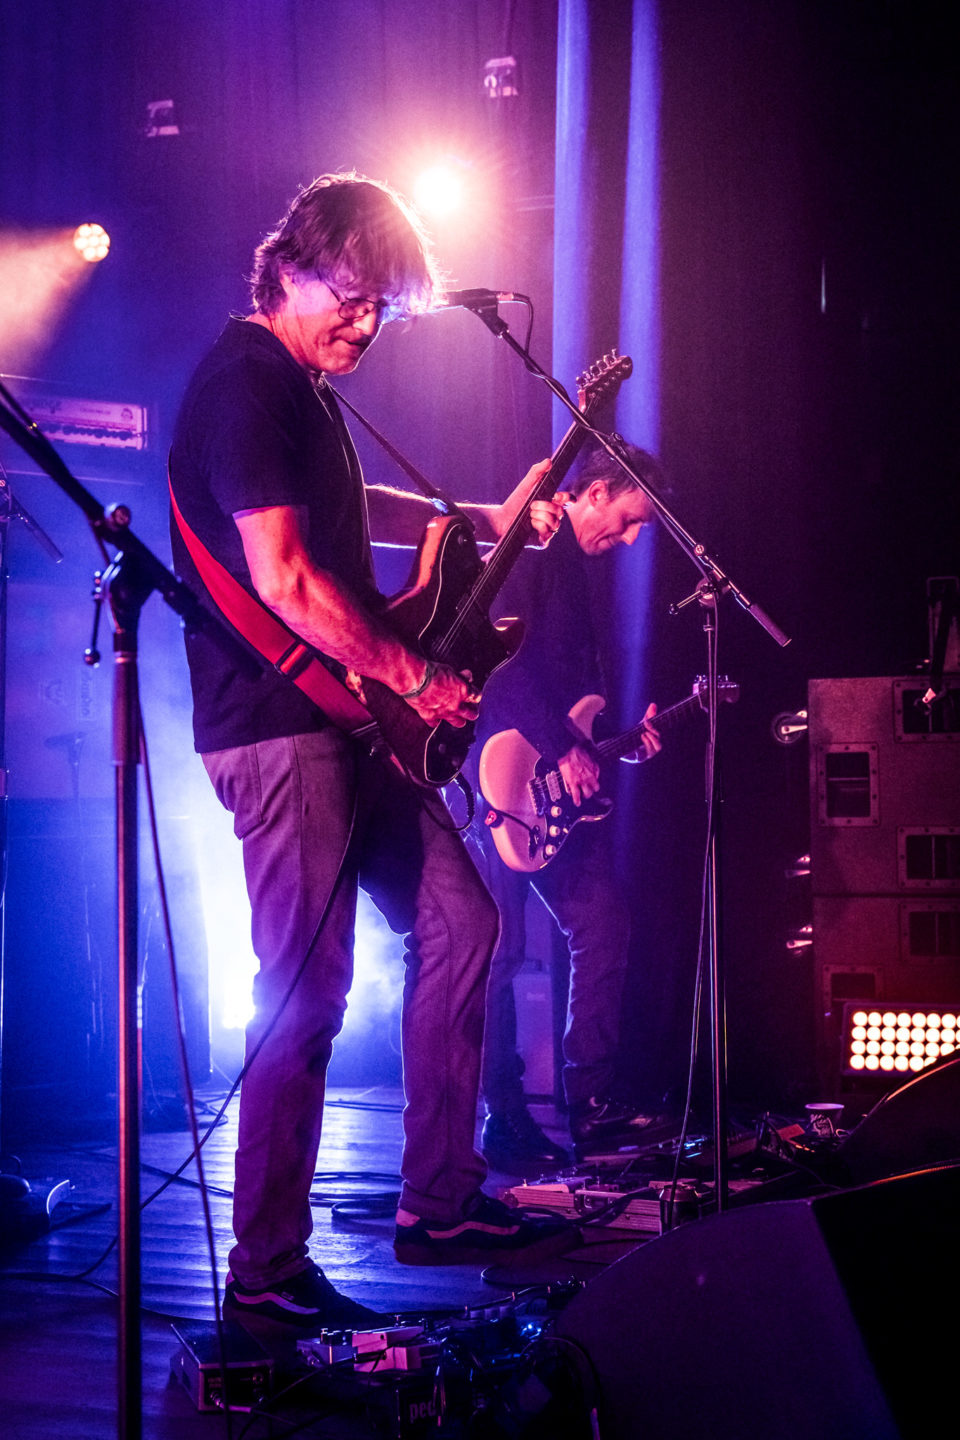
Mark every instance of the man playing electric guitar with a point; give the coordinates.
(558, 664)
(265, 476)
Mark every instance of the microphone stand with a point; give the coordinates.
(129, 580)
(714, 583)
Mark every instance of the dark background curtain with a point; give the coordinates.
(796, 376)
(757, 202)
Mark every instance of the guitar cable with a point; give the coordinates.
(495, 818)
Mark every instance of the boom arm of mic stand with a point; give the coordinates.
(486, 310)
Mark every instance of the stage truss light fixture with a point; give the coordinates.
(161, 119)
(897, 1038)
(92, 242)
(500, 78)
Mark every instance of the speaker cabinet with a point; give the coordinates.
(884, 851)
(884, 787)
(785, 1320)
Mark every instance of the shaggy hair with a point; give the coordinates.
(345, 224)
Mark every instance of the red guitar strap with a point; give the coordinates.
(268, 635)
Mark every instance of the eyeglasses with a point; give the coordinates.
(357, 307)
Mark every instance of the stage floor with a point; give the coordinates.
(58, 1335)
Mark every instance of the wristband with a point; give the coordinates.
(417, 690)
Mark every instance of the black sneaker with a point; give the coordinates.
(513, 1143)
(491, 1231)
(602, 1119)
(306, 1300)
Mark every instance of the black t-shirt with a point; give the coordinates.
(558, 660)
(252, 432)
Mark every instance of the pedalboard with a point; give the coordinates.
(629, 1206)
(416, 1376)
(201, 1367)
(644, 1192)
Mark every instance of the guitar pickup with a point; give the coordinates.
(546, 790)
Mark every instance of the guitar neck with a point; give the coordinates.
(506, 552)
(621, 745)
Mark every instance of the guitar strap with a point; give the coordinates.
(437, 497)
(279, 646)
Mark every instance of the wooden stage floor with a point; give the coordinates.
(58, 1335)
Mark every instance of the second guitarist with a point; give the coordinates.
(558, 663)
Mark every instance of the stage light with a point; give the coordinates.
(41, 271)
(375, 994)
(903, 1041)
(92, 242)
(439, 190)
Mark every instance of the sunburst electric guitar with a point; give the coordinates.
(444, 611)
(530, 814)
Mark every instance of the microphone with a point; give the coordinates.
(478, 299)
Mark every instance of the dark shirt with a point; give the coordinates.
(558, 661)
(254, 432)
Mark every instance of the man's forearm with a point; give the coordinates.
(399, 519)
(329, 616)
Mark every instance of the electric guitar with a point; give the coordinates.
(444, 610)
(531, 814)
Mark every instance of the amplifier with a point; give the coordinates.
(71, 419)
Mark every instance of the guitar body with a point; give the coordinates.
(531, 813)
(435, 614)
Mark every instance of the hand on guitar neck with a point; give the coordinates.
(580, 769)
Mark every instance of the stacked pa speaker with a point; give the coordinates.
(884, 865)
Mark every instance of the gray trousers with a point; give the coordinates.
(316, 817)
(579, 890)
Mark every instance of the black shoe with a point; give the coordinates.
(514, 1144)
(306, 1300)
(491, 1231)
(602, 1119)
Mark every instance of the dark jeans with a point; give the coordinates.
(292, 802)
(579, 890)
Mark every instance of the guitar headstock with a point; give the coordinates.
(727, 690)
(602, 379)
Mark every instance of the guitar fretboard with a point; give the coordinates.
(505, 553)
